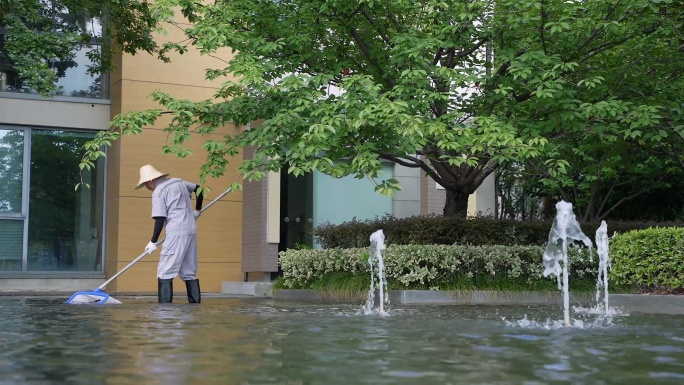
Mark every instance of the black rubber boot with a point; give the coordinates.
(165, 290)
(194, 295)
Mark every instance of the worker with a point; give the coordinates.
(172, 209)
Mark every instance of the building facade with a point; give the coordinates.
(55, 238)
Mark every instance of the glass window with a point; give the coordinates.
(74, 79)
(11, 170)
(339, 200)
(11, 244)
(11, 181)
(65, 226)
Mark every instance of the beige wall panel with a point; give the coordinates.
(142, 277)
(186, 69)
(114, 152)
(164, 121)
(212, 275)
(115, 99)
(135, 97)
(115, 74)
(138, 150)
(472, 205)
(135, 93)
(112, 236)
(219, 233)
(273, 208)
(218, 240)
(113, 170)
(129, 222)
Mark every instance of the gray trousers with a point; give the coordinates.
(178, 256)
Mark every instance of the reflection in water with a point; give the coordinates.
(162, 343)
(228, 341)
(46, 343)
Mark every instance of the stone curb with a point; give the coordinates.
(636, 303)
(430, 297)
(633, 303)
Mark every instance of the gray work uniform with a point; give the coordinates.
(171, 199)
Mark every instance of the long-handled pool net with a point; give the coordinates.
(98, 296)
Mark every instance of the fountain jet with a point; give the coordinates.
(377, 240)
(565, 229)
(604, 265)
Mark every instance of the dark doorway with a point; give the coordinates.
(296, 211)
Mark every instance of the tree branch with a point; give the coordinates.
(605, 46)
(444, 171)
(415, 162)
(606, 195)
(541, 28)
(450, 62)
(438, 56)
(475, 47)
(595, 32)
(363, 46)
(372, 22)
(647, 187)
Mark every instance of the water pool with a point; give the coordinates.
(235, 341)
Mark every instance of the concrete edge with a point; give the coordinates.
(256, 289)
(636, 303)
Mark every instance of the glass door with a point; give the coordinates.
(12, 200)
(65, 227)
(46, 226)
(296, 211)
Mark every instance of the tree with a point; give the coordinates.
(606, 117)
(395, 103)
(417, 85)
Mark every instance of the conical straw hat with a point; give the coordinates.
(148, 173)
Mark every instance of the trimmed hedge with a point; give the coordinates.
(652, 259)
(429, 265)
(440, 230)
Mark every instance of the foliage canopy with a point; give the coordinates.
(456, 88)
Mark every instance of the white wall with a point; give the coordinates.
(18, 110)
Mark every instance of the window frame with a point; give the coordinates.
(25, 211)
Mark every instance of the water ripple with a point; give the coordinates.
(230, 341)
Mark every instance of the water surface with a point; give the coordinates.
(234, 341)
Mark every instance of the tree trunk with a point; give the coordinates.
(548, 212)
(456, 204)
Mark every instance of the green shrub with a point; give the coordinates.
(429, 265)
(440, 230)
(432, 230)
(650, 259)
